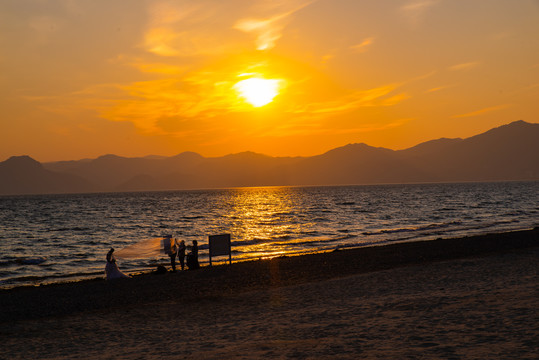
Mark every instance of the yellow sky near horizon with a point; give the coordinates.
(81, 79)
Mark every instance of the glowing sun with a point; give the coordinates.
(257, 91)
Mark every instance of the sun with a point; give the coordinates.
(258, 91)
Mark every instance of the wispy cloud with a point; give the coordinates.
(465, 66)
(160, 68)
(94, 99)
(362, 46)
(143, 65)
(185, 28)
(267, 30)
(483, 111)
(174, 106)
(153, 104)
(439, 88)
(416, 10)
(303, 128)
(370, 127)
(380, 96)
(422, 77)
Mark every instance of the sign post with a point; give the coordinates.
(220, 245)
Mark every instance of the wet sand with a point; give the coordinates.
(465, 298)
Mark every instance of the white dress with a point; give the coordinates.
(112, 271)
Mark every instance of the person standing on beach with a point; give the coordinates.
(192, 257)
(173, 253)
(181, 253)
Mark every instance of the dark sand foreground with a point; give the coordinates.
(469, 298)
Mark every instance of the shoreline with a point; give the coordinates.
(62, 299)
(146, 270)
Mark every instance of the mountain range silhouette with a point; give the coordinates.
(506, 153)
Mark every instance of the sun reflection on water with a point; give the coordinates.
(262, 215)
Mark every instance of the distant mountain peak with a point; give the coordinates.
(188, 154)
(432, 145)
(354, 147)
(247, 154)
(22, 161)
(518, 122)
(21, 158)
(508, 131)
(109, 157)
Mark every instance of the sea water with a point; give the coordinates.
(56, 238)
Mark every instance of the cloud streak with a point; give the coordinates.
(483, 111)
(269, 29)
(416, 10)
(465, 66)
(362, 46)
(186, 29)
(380, 96)
(439, 88)
(301, 128)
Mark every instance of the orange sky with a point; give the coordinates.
(80, 79)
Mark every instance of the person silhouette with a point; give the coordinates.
(192, 257)
(181, 253)
(111, 269)
(173, 253)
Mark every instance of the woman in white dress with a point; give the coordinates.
(111, 269)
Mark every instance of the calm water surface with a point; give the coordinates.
(52, 238)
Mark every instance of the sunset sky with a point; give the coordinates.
(80, 79)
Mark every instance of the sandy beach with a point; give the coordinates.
(469, 298)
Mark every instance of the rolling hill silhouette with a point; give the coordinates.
(509, 152)
(24, 175)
